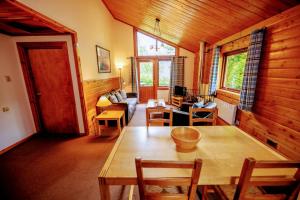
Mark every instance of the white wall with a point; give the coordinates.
(17, 123)
(93, 24)
(123, 48)
(188, 67)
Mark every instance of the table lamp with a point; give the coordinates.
(103, 102)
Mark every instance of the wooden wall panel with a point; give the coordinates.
(93, 89)
(275, 119)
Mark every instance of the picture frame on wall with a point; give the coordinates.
(103, 60)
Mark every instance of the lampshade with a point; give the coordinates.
(103, 102)
(119, 66)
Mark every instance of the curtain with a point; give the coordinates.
(177, 74)
(250, 74)
(214, 72)
(134, 76)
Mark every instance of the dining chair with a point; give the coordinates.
(263, 187)
(159, 116)
(205, 115)
(149, 188)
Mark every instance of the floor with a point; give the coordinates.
(52, 167)
(139, 117)
(59, 168)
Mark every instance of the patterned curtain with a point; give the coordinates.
(251, 69)
(177, 74)
(214, 72)
(134, 76)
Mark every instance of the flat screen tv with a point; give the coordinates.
(179, 91)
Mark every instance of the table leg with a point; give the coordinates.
(119, 125)
(106, 123)
(104, 191)
(99, 128)
(124, 123)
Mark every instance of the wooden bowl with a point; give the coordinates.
(185, 138)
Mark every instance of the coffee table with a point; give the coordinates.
(112, 115)
(154, 103)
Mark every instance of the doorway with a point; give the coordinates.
(154, 78)
(47, 75)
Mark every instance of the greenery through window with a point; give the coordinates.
(234, 70)
(146, 73)
(149, 46)
(164, 73)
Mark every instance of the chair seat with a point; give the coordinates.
(227, 191)
(167, 190)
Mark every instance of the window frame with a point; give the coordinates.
(160, 86)
(157, 39)
(223, 72)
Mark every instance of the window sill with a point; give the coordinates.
(228, 96)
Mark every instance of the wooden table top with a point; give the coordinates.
(110, 114)
(153, 103)
(222, 150)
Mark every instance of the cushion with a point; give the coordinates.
(113, 98)
(118, 95)
(123, 94)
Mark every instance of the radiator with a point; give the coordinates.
(226, 111)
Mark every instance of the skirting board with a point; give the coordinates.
(16, 144)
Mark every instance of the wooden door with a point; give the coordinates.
(48, 78)
(147, 80)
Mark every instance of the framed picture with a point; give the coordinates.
(103, 60)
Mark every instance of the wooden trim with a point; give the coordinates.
(223, 70)
(156, 38)
(48, 22)
(16, 144)
(27, 74)
(79, 83)
(134, 42)
(265, 23)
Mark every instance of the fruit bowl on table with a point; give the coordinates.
(185, 138)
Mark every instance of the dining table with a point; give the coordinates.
(222, 150)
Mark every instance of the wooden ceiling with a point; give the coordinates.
(18, 20)
(186, 22)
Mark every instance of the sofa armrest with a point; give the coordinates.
(117, 106)
(131, 95)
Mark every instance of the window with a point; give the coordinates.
(233, 71)
(164, 73)
(146, 73)
(149, 46)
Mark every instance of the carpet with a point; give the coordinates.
(139, 117)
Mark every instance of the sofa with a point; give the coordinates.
(122, 101)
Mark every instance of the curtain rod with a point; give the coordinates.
(157, 57)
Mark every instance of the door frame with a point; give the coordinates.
(155, 60)
(154, 74)
(23, 47)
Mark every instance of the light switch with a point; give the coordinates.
(5, 109)
(7, 78)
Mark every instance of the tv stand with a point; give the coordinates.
(177, 101)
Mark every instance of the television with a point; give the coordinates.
(179, 91)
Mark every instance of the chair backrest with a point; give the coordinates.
(212, 114)
(246, 179)
(159, 121)
(191, 181)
